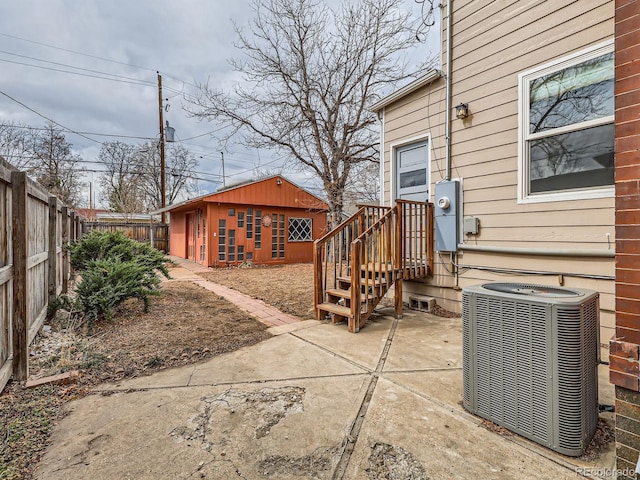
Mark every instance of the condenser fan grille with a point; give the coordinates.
(529, 289)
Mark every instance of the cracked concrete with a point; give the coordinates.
(312, 402)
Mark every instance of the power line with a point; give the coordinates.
(70, 66)
(142, 83)
(47, 118)
(97, 57)
(25, 127)
(76, 52)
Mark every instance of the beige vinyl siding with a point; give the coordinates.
(493, 42)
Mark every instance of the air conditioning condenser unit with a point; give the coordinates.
(530, 359)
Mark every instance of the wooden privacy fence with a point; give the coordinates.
(155, 233)
(34, 266)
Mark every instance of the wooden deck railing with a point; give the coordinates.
(357, 262)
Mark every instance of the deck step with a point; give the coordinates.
(379, 267)
(338, 292)
(375, 283)
(334, 308)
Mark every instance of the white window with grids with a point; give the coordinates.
(566, 128)
(300, 229)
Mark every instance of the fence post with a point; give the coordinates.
(53, 247)
(65, 252)
(20, 322)
(72, 225)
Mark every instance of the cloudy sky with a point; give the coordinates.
(91, 67)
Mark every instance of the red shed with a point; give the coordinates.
(268, 221)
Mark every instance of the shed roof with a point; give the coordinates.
(271, 191)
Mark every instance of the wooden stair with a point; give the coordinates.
(358, 262)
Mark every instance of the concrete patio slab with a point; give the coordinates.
(407, 433)
(426, 341)
(284, 430)
(277, 358)
(363, 348)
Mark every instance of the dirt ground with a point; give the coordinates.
(289, 288)
(185, 324)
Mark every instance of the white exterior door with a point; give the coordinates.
(412, 172)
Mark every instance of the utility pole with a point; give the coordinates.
(224, 183)
(163, 200)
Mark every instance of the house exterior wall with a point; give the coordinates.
(494, 42)
(625, 347)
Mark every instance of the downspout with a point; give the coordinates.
(447, 128)
(381, 119)
(447, 110)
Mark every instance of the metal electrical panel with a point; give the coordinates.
(447, 215)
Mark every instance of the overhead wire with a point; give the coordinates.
(49, 119)
(75, 52)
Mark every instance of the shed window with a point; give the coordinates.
(222, 238)
(258, 238)
(299, 229)
(232, 246)
(567, 128)
(277, 236)
(249, 222)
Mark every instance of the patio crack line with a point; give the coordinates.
(111, 391)
(354, 432)
(332, 353)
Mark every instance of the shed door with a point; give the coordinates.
(412, 172)
(191, 236)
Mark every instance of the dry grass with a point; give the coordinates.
(287, 287)
(185, 324)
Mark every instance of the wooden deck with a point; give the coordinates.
(376, 248)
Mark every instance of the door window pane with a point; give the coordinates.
(413, 178)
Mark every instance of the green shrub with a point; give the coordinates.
(112, 268)
(115, 246)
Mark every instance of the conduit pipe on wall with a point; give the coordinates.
(547, 252)
(447, 111)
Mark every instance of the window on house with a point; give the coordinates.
(240, 219)
(567, 128)
(299, 229)
(232, 246)
(249, 222)
(222, 239)
(241, 253)
(232, 212)
(258, 238)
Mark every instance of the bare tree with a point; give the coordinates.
(121, 182)
(181, 180)
(55, 166)
(310, 74)
(16, 144)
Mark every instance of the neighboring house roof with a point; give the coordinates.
(126, 217)
(255, 193)
(419, 82)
